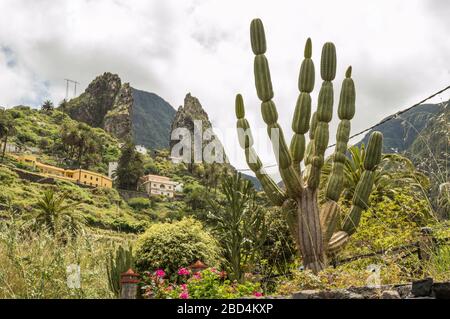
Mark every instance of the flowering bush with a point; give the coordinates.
(184, 272)
(208, 284)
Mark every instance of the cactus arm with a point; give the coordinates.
(329, 220)
(365, 184)
(329, 214)
(346, 111)
(309, 153)
(264, 91)
(302, 113)
(324, 113)
(337, 241)
(275, 194)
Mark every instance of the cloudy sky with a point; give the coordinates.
(399, 50)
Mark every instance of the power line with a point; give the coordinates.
(391, 117)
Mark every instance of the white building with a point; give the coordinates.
(158, 185)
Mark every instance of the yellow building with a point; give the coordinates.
(80, 176)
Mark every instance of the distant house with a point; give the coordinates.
(80, 176)
(158, 185)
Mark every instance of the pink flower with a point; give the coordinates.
(183, 272)
(169, 288)
(223, 274)
(184, 295)
(197, 275)
(160, 273)
(183, 287)
(214, 270)
(257, 294)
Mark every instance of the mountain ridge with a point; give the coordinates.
(123, 111)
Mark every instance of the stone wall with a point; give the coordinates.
(422, 289)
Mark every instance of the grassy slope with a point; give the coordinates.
(35, 128)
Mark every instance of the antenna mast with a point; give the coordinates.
(74, 87)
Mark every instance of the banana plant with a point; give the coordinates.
(317, 230)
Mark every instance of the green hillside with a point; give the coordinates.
(401, 132)
(41, 131)
(422, 135)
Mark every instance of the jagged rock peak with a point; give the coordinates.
(105, 82)
(117, 121)
(193, 107)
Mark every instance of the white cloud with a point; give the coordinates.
(399, 51)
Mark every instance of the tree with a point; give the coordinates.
(47, 106)
(316, 228)
(6, 129)
(81, 145)
(195, 196)
(56, 216)
(239, 224)
(130, 167)
(393, 171)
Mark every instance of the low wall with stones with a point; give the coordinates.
(422, 289)
(33, 177)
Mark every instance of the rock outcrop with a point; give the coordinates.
(123, 111)
(96, 101)
(187, 116)
(117, 121)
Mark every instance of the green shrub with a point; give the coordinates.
(173, 245)
(124, 225)
(389, 222)
(139, 203)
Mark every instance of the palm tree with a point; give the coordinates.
(55, 215)
(393, 171)
(47, 106)
(81, 145)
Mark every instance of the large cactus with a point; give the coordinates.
(318, 231)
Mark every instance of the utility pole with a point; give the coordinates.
(74, 87)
